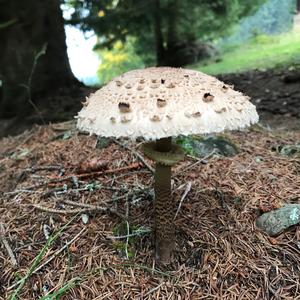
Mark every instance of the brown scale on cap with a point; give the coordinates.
(239, 107)
(140, 87)
(92, 119)
(124, 107)
(161, 102)
(113, 120)
(208, 97)
(155, 118)
(154, 84)
(84, 104)
(125, 119)
(220, 110)
(171, 85)
(196, 114)
(119, 83)
(225, 88)
(128, 86)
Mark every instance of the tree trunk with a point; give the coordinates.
(26, 27)
(159, 43)
(174, 45)
(165, 53)
(172, 26)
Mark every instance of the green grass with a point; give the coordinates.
(36, 262)
(263, 52)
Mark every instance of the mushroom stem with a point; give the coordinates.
(164, 210)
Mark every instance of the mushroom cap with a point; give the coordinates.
(161, 102)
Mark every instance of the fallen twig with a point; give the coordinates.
(92, 174)
(198, 161)
(120, 237)
(127, 227)
(153, 289)
(187, 189)
(79, 210)
(70, 177)
(34, 169)
(137, 154)
(7, 246)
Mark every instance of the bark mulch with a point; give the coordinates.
(76, 219)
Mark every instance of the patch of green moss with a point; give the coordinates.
(126, 245)
(204, 146)
(287, 150)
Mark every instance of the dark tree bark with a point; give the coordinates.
(170, 50)
(27, 26)
(159, 42)
(173, 18)
(298, 6)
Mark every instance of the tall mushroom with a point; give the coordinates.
(157, 104)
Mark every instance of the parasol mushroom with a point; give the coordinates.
(157, 104)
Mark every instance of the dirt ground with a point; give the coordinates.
(276, 94)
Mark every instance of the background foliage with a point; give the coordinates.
(159, 26)
(273, 17)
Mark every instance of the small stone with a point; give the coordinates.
(85, 218)
(205, 146)
(276, 221)
(47, 231)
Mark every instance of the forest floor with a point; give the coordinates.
(77, 212)
(276, 94)
(68, 202)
